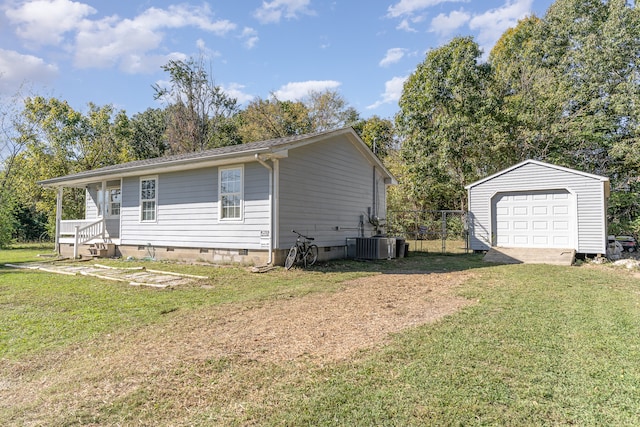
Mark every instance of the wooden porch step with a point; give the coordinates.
(102, 250)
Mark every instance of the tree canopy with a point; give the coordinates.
(562, 88)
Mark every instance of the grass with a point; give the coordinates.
(543, 345)
(47, 311)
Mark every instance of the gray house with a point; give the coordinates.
(231, 204)
(539, 205)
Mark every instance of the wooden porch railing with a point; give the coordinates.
(82, 234)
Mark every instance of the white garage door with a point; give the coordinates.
(541, 219)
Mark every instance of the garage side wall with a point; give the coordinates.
(589, 196)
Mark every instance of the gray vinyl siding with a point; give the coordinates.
(325, 186)
(589, 194)
(91, 204)
(187, 211)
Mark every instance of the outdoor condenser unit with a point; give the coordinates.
(375, 247)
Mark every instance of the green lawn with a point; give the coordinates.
(541, 345)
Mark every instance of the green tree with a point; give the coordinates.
(200, 115)
(529, 98)
(600, 46)
(444, 122)
(61, 141)
(378, 134)
(271, 118)
(569, 90)
(329, 110)
(12, 144)
(148, 134)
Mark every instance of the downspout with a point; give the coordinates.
(270, 169)
(374, 207)
(276, 203)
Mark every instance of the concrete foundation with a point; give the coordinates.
(215, 256)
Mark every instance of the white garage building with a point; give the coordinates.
(538, 205)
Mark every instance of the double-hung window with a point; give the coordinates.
(230, 190)
(148, 199)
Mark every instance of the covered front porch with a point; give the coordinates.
(101, 222)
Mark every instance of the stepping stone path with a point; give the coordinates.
(137, 276)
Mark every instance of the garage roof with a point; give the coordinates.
(539, 163)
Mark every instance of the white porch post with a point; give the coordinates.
(76, 239)
(104, 206)
(58, 218)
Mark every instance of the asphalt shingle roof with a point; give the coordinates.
(229, 151)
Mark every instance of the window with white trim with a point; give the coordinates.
(115, 197)
(230, 190)
(148, 198)
(112, 202)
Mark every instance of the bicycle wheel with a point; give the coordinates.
(291, 257)
(311, 256)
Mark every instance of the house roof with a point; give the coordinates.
(539, 163)
(272, 148)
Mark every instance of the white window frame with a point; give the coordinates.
(239, 194)
(108, 203)
(155, 199)
(111, 202)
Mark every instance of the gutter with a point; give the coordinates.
(270, 169)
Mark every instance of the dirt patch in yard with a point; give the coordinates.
(333, 326)
(168, 361)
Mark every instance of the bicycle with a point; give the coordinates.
(301, 252)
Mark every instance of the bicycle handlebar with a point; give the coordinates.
(302, 235)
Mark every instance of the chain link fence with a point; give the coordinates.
(444, 231)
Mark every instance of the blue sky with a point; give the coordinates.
(110, 52)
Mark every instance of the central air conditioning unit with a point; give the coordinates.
(374, 247)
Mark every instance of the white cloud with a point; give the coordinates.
(144, 64)
(208, 54)
(16, 68)
(130, 44)
(493, 23)
(236, 90)
(404, 25)
(409, 7)
(127, 42)
(444, 25)
(182, 16)
(393, 55)
(250, 37)
(273, 11)
(392, 92)
(297, 90)
(45, 22)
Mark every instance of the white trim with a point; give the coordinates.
(575, 238)
(539, 163)
(59, 195)
(120, 219)
(276, 203)
(220, 208)
(270, 171)
(155, 215)
(103, 194)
